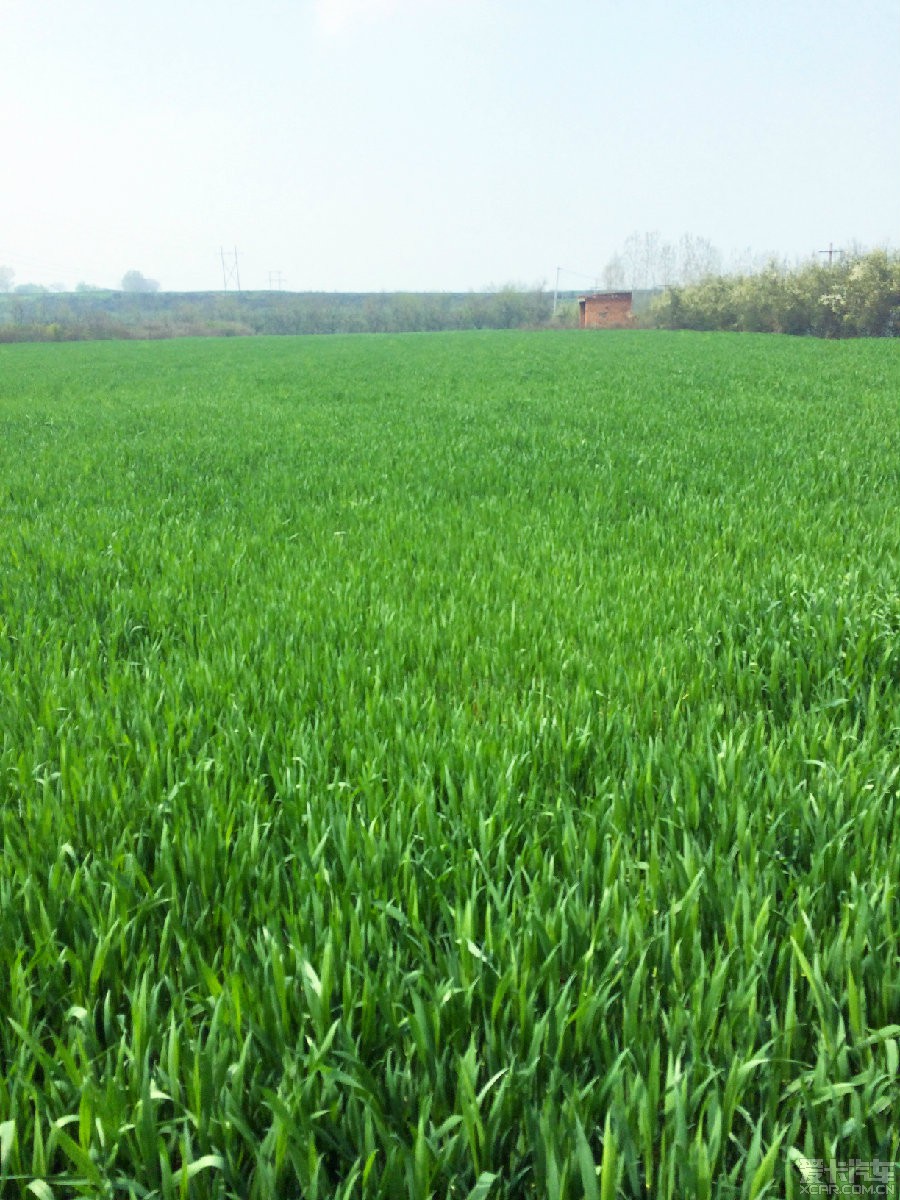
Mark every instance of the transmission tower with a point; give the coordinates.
(230, 272)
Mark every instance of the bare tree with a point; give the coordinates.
(698, 258)
(668, 264)
(647, 261)
(614, 273)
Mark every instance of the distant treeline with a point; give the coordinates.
(48, 316)
(857, 296)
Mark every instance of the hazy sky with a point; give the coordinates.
(436, 144)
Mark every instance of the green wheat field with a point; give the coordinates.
(460, 766)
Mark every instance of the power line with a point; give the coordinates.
(580, 274)
(566, 271)
(25, 264)
(831, 252)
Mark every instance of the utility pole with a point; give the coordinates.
(580, 275)
(276, 280)
(230, 272)
(831, 252)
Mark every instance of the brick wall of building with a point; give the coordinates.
(606, 310)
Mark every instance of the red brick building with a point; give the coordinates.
(605, 310)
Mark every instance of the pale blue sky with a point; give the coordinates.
(437, 144)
